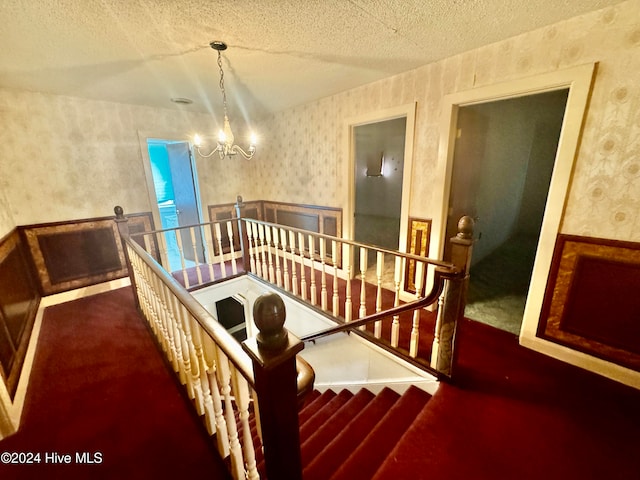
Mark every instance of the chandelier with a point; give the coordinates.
(225, 147)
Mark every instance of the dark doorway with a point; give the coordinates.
(503, 162)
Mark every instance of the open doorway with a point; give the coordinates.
(577, 81)
(379, 166)
(380, 152)
(503, 162)
(174, 193)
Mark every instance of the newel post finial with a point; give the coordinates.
(121, 221)
(273, 353)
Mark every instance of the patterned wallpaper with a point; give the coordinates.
(6, 219)
(304, 158)
(66, 158)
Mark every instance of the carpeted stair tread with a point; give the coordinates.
(310, 397)
(318, 419)
(315, 405)
(329, 459)
(371, 453)
(328, 431)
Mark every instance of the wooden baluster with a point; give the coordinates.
(186, 349)
(147, 244)
(164, 325)
(223, 268)
(251, 248)
(276, 247)
(379, 270)
(263, 252)
(244, 232)
(273, 354)
(334, 260)
(272, 272)
(209, 355)
(294, 276)
(175, 330)
(303, 274)
(435, 347)
(241, 395)
(314, 287)
(185, 277)
(210, 255)
(200, 375)
(363, 295)
(395, 323)
(255, 256)
(415, 327)
(224, 380)
(323, 274)
(164, 253)
(234, 264)
(348, 304)
(287, 279)
(196, 258)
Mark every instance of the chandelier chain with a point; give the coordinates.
(224, 93)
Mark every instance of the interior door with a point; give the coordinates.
(467, 165)
(183, 180)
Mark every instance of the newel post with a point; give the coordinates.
(451, 308)
(123, 230)
(273, 353)
(242, 234)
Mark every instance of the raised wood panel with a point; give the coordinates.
(591, 302)
(227, 211)
(325, 220)
(79, 253)
(417, 244)
(19, 299)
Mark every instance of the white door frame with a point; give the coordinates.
(578, 80)
(409, 111)
(146, 163)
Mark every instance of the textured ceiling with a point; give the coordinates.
(281, 53)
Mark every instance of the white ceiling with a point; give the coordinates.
(281, 53)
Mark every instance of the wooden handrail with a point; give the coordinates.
(229, 345)
(440, 276)
(344, 241)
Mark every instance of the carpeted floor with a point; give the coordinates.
(499, 283)
(99, 385)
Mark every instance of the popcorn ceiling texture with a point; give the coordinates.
(65, 158)
(304, 160)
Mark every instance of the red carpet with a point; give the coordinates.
(99, 384)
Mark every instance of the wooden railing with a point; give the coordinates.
(227, 382)
(335, 276)
(350, 282)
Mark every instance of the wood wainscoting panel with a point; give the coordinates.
(417, 244)
(314, 218)
(19, 299)
(227, 211)
(591, 302)
(80, 253)
(325, 220)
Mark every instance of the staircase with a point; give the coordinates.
(346, 436)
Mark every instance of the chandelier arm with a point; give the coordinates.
(248, 156)
(217, 149)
